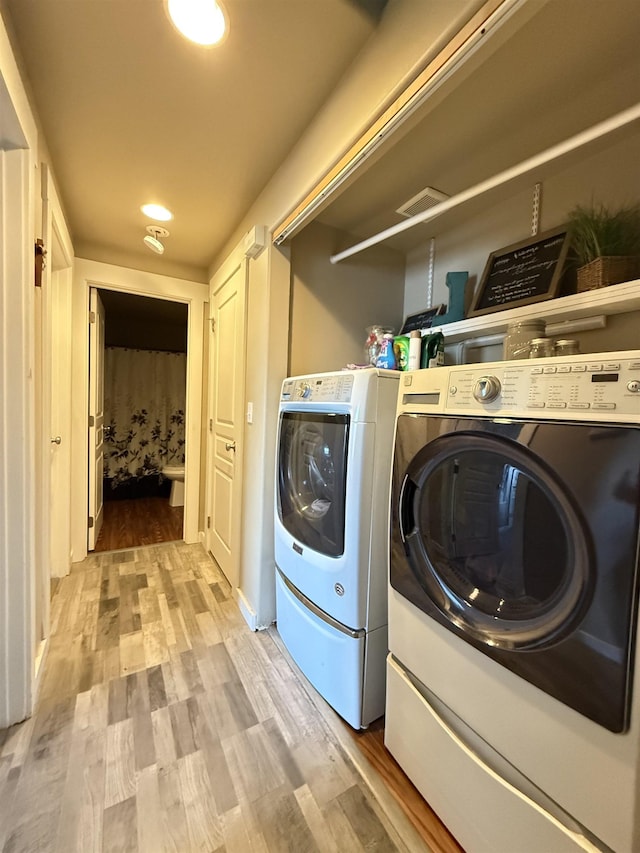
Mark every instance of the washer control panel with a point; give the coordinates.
(582, 387)
(319, 389)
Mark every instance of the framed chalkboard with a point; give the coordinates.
(523, 273)
(421, 320)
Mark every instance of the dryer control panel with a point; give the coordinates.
(318, 389)
(595, 387)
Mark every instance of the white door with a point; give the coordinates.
(96, 415)
(226, 422)
(57, 377)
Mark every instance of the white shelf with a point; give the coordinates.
(615, 299)
(526, 171)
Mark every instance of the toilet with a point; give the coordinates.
(175, 473)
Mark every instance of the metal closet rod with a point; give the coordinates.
(585, 137)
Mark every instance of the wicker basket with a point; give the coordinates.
(608, 270)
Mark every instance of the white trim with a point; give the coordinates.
(17, 487)
(18, 135)
(249, 614)
(17, 125)
(194, 294)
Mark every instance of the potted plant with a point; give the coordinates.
(606, 244)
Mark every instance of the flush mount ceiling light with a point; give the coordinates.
(152, 240)
(201, 21)
(157, 211)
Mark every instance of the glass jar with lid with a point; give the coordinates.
(566, 347)
(541, 348)
(519, 335)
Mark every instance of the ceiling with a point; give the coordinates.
(134, 113)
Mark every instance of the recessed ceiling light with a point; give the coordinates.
(157, 211)
(201, 21)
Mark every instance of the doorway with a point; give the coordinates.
(145, 361)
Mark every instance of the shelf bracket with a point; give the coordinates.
(535, 209)
(430, 272)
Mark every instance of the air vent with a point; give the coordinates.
(426, 198)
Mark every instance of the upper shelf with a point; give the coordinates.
(536, 103)
(615, 299)
(509, 178)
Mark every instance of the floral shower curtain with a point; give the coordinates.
(144, 406)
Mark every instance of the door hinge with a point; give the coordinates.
(213, 324)
(208, 522)
(90, 521)
(210, 424)
(92, 316)
(41, 261)
(91, 420)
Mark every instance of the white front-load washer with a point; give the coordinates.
(513, 602)
(334, 448)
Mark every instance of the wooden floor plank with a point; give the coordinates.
(141, 521)
(165, 724)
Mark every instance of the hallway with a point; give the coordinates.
(164, 723)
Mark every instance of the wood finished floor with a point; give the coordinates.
(164, 724)
(142, 521)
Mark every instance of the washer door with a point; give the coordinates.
(521, 539)
(495, 541)
(312, 467)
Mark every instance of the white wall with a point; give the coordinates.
(267, 351)
(332, 304)
(409, 34)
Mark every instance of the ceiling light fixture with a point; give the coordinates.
(152, 240)
(157, 211)
(201, 21)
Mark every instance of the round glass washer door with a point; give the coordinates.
(495, 541)
(311, 473)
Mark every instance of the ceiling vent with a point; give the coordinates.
(426, 198)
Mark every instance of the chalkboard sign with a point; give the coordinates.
(421, 320)
(523, 273)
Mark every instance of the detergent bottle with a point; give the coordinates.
(386, 357)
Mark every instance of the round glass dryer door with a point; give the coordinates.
(495, 541)
(312, 464)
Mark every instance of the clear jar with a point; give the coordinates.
(566, 347)
(519, 335)
(541, 348)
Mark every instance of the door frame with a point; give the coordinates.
(54, 556)
(238, 262)
(195, 295)
(18, 672)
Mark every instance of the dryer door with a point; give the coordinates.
(312, 469)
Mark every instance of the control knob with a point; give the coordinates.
(304, 390)
(486, 389)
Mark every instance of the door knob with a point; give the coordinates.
(229, 445)
(56, 440)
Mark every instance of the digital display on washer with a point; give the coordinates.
(605, 377)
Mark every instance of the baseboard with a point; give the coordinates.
(250, 616)
(247, 611)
